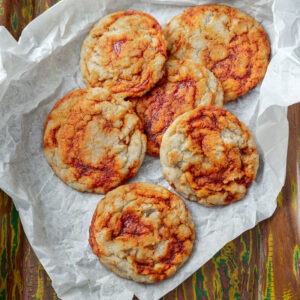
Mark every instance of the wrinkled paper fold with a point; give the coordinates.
(44, 65)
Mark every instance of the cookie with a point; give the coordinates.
(124, 52)
(93, 141)
(209, 156)
(185, 86)
(142, 231)
(229, 42)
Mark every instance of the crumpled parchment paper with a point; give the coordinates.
(44, 65)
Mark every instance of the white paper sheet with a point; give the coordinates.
(44, 65)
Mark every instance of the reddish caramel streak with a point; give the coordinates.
(131, 224)
(54, 139)
(118, 46)
(174, 248)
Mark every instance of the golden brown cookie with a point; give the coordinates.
(185, 86)
(142, 231)
(209, 156)
(229, 42)
(124, 52)
(93, 141)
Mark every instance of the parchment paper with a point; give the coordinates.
(44, 65)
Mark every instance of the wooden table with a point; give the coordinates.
(263, 263)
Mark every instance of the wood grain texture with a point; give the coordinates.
(263, 263)
(16, 14)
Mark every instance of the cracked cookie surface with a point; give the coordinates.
(229, 42)
(142, 232)
(93, 141)
(124, 52)
(209, 156)
(185, 86)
